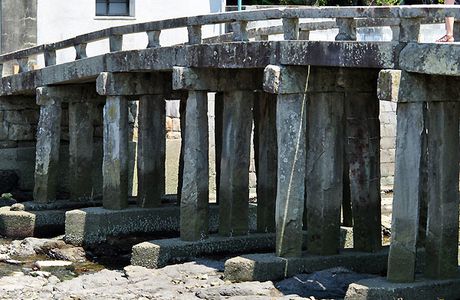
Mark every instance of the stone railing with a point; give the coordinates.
(404, 21)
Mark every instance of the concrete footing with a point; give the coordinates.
(158, 253)
(268, 266)
(91, 226)
(21, 224)
(380, 289)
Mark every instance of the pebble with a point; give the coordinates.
(17, 207)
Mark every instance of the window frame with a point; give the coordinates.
(130, 10)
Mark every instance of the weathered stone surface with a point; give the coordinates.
(81, 150)
(234, 167)
(47, 153)
(115, 163)
(157, 254)
(202, 79)
(151, 150)
(363, 155)
(442, 231)
(381, 289)
(410, 156)
(195, 186)
(152, 83)
(388, 85)
(90, 226)
(291, 114)
(324, 171)
(268, 266)
(265, 144)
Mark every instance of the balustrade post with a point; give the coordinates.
(347, 29)
(154, 39)
(291, 28)
(240, 33)
(80, 51)
(115, 43)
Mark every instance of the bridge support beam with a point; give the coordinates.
(430, 109)
(48, 144)
(266, 160)
(151, 89)
(289, 83)
(236, 104)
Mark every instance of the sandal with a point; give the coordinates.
(446, 39)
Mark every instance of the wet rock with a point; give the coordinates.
(326, 284)
(75, 254)
(17, 207)
(40, 274)
(43, 246)
(13, 262)
(242, 289)
(52, 264)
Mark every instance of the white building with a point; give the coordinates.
(30, 22)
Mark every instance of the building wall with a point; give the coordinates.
(58, 20)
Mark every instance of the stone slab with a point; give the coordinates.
(379, 289)
(268, 266)
(21, 224)
(158, 253)
(91, 226)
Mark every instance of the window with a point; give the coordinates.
(112, 7)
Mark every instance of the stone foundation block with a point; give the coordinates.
(268, 266)
(157, 254)
(380, 289)
(21, 224)
(94, 225)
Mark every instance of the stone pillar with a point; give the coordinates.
(234, 173)
(182, 110)
(289, 83)
(363, 156)
(195, 186)
(218, 138)
(115, 161)
(324, 172)
(236, 127)
(427, 112)
(151, 88)
(266, 160)
(151, 150)
(441, 243)
(81, 149)
(48, 144)
(407, 191)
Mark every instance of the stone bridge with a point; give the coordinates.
(314, 106)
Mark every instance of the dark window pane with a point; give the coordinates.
(101, 9)
(112, 7)
(118, 9)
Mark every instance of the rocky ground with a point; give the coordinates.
(50, 269)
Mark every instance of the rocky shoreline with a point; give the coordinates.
(36, 268)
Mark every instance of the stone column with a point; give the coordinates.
(363, 155)
(290, 85)
(195, 185)
(151, 150)
(234, 173)
(48, 144)
(266, 160)
(426, 112)
(234, 164)
(151, 88)
(218, 138)
(81, 149)
(115, 161)
(182, 110)
(441, 243)
(325, 134)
